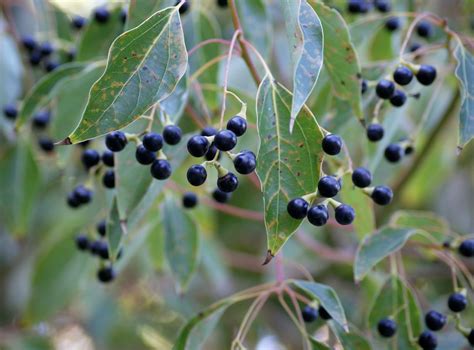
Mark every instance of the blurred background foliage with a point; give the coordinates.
(49, 295)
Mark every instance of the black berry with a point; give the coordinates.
(90, 158)
(344, 214)
(172, 134)
(297, 208)
(385, 89)
(185, 7)
(78, 22)
(72, 200)
(363, 86)
(427, 341)
(46, 49)
(29, 42)
(382, 195)
(382, 5)
(225, 140)
(46, 144)
(144, 156)
(457, 302)
(245, 162)
(402, 75)
(354, 6)
(83, 194)
(71, 54)
(361, 177)
(328, 186)
(196, 175)
(222, 3)
(41, 119)
(466, 248)
(208, 131)
(153, 141)
(108, 158)
(414, 47)
(309, 314)
(198, 146)
(323, 313)
(318, 215)
(237, 125)
(220, 196)
(82, 242)
(108, 180)
(101, 227)
(101, 14)
(398, 98)
(393, 153)
(375, 132)
(160, 169)
(51, 65)
(426, 74)
(190, 200)
(123, 16)
(106, 274)
(332, 144)
(10, 111)
(409, 150)
(387, 327)
(424, 29)
(211, 152)
(470, 337)
(116, 141)
(392, 24)
(228, 182)
(435, 320)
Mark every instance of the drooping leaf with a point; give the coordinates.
(352, 340)
(288, 164)
(340, 57)
(143, 68)
(465, 73)
(140, 10)
(305, 35)
(115, 230)
(40, 94)
(423, 220)
(376, 247)
(181, 243)
(327, 297)
(97, 37)
(63, 24)
(398, 300)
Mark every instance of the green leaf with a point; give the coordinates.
(465, 72)
(41, 92)
(115, 230)
(143, 68)
(288, 164)
(140, 10)
(97, 37)
(175, 103)
(305, 36)
(316, 345)
(376, 247)
(397, 299)
(340, 57)
(63, 24)
(11, 69)
(327, 297)
(423, 220)
(364, 222)
(181, 243)
(351, 340)
(20, 180)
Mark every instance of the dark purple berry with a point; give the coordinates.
(185, 7)
(153, 141)
(46, 144)
(435, 320)
(211, 153)
(375, 132)
(116, 141)
(82, 242)
(90, 158)
(424, 29)
(427, 341)
(108, 180)
(101, 227)
(237, 125)
(225, 140)
(172, 134)
(29, 42)
(382, 5)
(457, 302)
(363, 86)
(402, 75)
(160, 169)
(78, 22)
(208, 131)
(344, 214)
(309, 314)
(466, 248)
(222, 3)
(83, 194)
(323, 313)
(385, 89)
(41, 119)
(297, 208)
(106, 274)
(101, 14)
(392, 24)
(393, 153)
(328, 186)
(196, 175)
(221, 196)
(398, 98)
(144, 156)
(361, 177)
(318, 215)
(228, 183)
(245, 162)
(108, 158)
(332, 144)
(387, 327)
(46, 49)
(382, 195)
(198, 146)
(10, 111)
(35, 58)
(190, 200)
(426, 74)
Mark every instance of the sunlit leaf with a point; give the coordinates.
(140, 10)
(352, 340)
(423, 220)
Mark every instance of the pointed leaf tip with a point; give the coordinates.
(268, 258)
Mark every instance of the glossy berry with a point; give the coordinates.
(116, 141)
(51, 65)
(426, 74)
(35, 58)
(393, 153)
(29, 42)
(323, 313)
(398, 98)
(387, 327)
(470, 337)
(160, 169)
(83, 194)
(354, 6)
(382, 195)
(382, 5)
(228, 183)
(41, 119)
(101, 14)
(245, 162)
(72, 201)
(82, 242)
(457, 302)
(90, 158)
(46, 49)
(328, 186)
(106, 274)
(46, 144)
(361, 177)
(222, 3)
(100, 248)
(196, 175)
(435, 320)
(332, 144)
(78, 22)
(198, 145)
(297, 208)
(237, 125)
(185, 7)
(402, 75)
(318, 215)
(309, 314)
(108, 158)
(392, 24)
(208, 131)
(144, 156)
(101, 227)
(211, 152)
(427, 341)
(10, 111)
(363, 86)
(172, 134)
(375, 132)
(344, 214)
(409, 150)
(153, 141)
(221, 196)
(466, 248)
(385, 89)
(108, 180)
(424, 29)
(190, 200)
(225, 140)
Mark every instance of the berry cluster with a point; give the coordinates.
(364, 6)
(310, 313)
